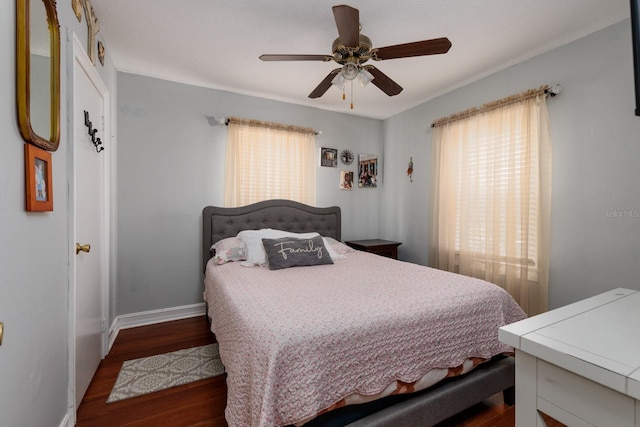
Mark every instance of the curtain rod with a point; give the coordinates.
(549, 91)
(219, 121)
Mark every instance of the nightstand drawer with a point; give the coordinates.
(381, 247)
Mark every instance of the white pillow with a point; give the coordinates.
(255, 250)
(335, 255)
(337, 246)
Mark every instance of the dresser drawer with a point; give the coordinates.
(584, 399)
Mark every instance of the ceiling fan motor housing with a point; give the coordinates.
(361, 53)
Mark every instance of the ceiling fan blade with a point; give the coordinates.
(324, 84)
(286, 57)
(383, 82)
(348, 23)
(421, 48)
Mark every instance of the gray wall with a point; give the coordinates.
(595, 230)
(34, 255)
(596, 206)
(171, 165)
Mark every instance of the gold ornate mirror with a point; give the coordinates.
(38, 72)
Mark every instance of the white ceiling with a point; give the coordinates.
(216, 43)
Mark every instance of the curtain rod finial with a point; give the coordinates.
(217, 121)
(553, 90)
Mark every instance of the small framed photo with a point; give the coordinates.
(329, 157)
(39, 185)
(367, 170)
(346, 180)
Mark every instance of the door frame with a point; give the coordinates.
(77, 54)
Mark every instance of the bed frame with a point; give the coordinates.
(219, 223)
(425, 408)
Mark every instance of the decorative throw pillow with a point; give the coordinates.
(230, 249)
(255, 249)
(293, 252)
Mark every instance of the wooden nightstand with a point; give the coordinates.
(376, 246)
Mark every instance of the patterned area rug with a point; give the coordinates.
(155, 373)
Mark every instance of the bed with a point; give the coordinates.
(269, 357)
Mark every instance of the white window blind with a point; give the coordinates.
(490, 201)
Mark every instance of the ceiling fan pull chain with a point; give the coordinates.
(351, 84)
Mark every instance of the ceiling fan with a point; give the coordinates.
(353, 49)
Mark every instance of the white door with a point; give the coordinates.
(91, 210)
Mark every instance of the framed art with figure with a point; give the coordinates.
(328, 157)
(38, 182)
(346, 180)
(367, 170)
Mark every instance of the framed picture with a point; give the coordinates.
(39, 186)
(367, 170)
(329, 157)
(346, 180)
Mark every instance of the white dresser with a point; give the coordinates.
(580, 364)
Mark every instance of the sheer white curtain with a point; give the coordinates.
(269, 161)
(490, 200)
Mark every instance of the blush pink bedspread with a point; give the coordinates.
(298, 340)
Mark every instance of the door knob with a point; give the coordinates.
(82, 248)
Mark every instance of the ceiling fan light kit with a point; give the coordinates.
(350, 72)
(352, 50)
(364, 77)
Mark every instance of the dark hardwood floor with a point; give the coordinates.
(201, 403)
(196, 404)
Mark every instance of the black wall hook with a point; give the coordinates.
(96, 141)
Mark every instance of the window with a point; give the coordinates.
(490, 200)
(269, 161)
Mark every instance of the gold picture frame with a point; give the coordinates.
(76, 5)
(38, 181)
(38, 38)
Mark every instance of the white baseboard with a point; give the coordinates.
(126, 321)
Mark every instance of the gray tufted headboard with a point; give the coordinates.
(219, 223)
